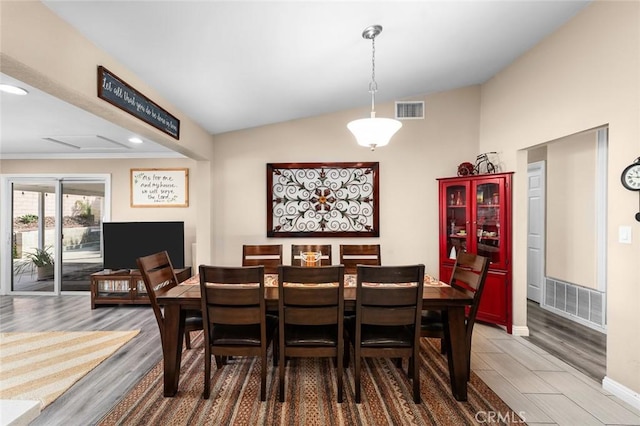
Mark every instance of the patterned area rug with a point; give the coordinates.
(41, 366)
(310, 395)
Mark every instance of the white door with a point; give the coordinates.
(535, 230)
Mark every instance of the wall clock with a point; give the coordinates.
(630, 179)
(631, 176)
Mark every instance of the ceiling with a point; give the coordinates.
(236, 65)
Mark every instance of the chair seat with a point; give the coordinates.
(310, 335)
(373, 336)
(383, 336)
(241, 335)
(431, 321)
(193, 320)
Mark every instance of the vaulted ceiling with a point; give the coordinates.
(236, 65)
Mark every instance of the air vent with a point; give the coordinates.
(581, 304)
(410, 110)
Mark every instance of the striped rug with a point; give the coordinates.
(310, 395)
(41, 366)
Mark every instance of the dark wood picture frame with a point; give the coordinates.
(118, 93)
(323, 200)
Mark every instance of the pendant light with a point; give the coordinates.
(373, 132)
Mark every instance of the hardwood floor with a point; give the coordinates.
(87, 401)
(539, 386)
(579, 346)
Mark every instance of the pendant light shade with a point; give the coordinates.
(373, 132)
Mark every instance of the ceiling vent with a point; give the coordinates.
(413, 110)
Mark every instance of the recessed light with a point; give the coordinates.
(135, 140)
(14, 90)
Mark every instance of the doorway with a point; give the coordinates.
(566, 249)
(55, 229)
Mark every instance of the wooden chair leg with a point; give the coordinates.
(187, 339)
(207, 372)
(276, 355)
(357, 361)
(415, 366)
(219, 361)
(263, 378)
(281, 368)
(340, 372)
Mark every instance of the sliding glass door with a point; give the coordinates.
(55, 230)
(33, 236)
(82, 207)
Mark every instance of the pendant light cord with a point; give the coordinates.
(373, 86)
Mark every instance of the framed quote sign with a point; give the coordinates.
(323, 200)
(159, 187)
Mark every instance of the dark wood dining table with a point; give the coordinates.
(436, 296)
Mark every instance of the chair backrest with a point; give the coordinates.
(324, 249)
(269, 255)
(469, 275)
(352, 255)
(300, 302)
(232, 296)
(389, 296)
(158, 276)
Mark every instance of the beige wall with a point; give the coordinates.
(418, 154)
(45, 52)
(584, 76)
(119, 170)
(571, 210)
(564, 85)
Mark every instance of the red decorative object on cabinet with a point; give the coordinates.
(475, 216)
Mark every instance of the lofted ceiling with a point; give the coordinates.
(233, 65)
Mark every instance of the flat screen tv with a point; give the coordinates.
(124, 242)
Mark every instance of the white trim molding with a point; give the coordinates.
(520, 330)
(624, 393)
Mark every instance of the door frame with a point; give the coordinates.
(6, 197)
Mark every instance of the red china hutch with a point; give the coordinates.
(475, 216)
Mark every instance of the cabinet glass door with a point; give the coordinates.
(457, 219)
(488, 221)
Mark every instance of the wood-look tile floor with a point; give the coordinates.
(544, 389)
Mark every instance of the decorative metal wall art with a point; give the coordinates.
(323, 200)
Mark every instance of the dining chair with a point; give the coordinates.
(469, 275)
(269, 255)
(324, 249)
(352, 255)
(159, 276)
(311, 312)
(387, 320)
(235, 319)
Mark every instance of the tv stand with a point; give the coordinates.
(123, 287)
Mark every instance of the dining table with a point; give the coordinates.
(436, 295)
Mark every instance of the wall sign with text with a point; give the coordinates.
(118, 93)
(323, 200)
(159, 187)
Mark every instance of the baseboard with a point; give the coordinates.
(624, 393)
(520, 330)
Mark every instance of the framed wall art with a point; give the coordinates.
(160, 187)
(323, 200)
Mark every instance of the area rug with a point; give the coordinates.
(41, 366)
(310, 395)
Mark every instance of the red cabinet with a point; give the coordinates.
(475, 216)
